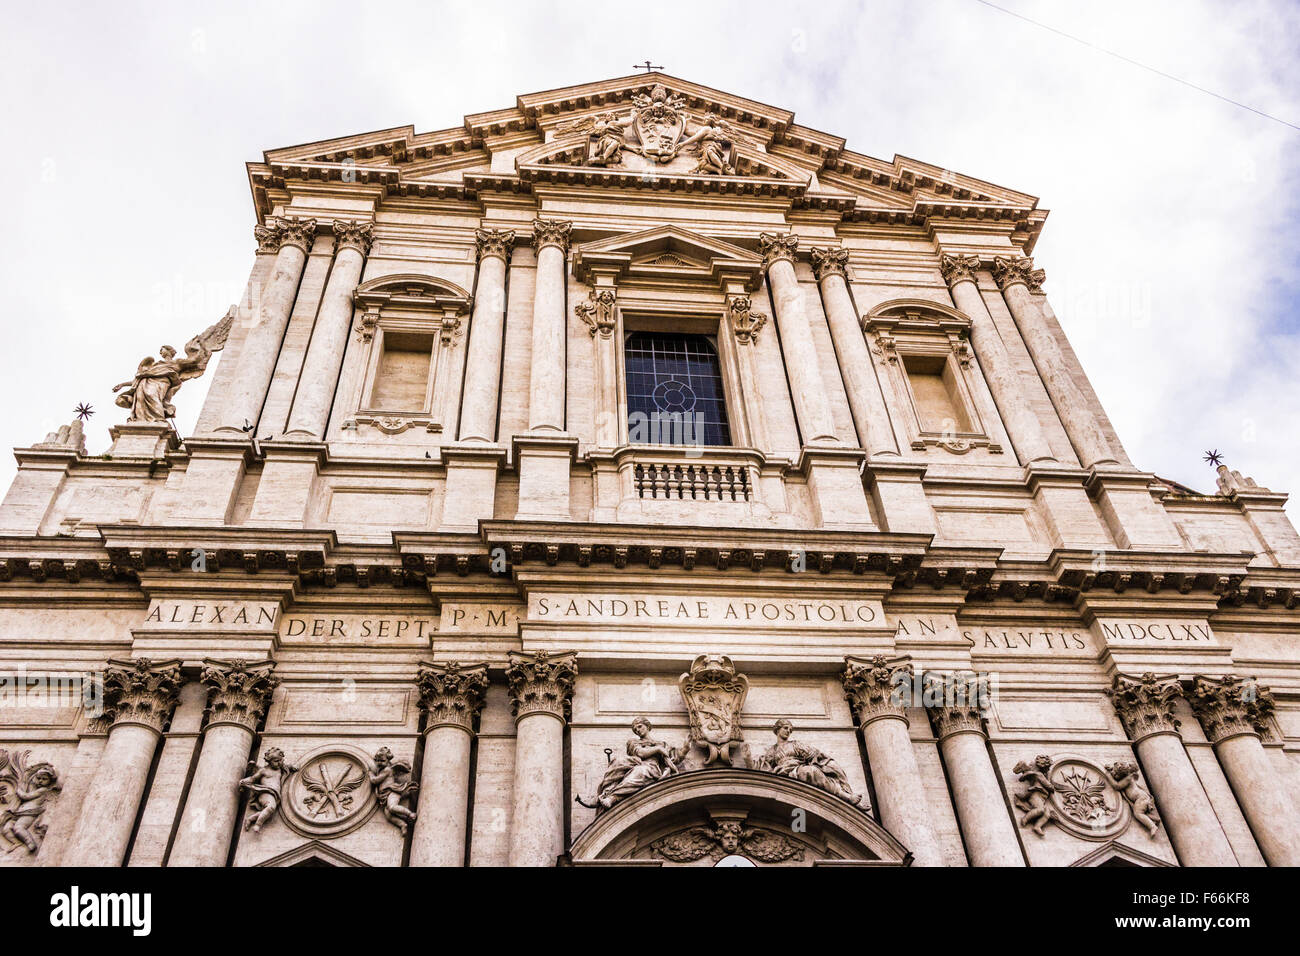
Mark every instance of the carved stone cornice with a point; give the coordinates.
(773, 246)
(830, 262)
(452, 694)
(140, 691)
(1146, 704)
(955, 269)
(350, 234)
(551, 232)
(1008, 270)
(286, 231)
(879, 687)
(956, 703)
(1231, 706)
(745, 322)
(541, 683)
(239, 691)
(495, 242)
(598, 312)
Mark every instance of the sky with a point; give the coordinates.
(1172, 251)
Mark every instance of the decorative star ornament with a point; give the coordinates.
(83, 411)
(1214, 457)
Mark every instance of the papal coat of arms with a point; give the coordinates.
(714, 694)
(659, 123)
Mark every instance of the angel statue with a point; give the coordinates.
(647, 761)
(714, 137)
(265, 783)
(19, 824)
(149, 394)
(393, 784)
(803, 762)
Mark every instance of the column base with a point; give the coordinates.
(834, 478)
(470, 496)
(34, 488)
(288, 478)
(1064, 504)
(1135, 518)
(900, 497)
(211, 481)
(143, 440)
(544, 461)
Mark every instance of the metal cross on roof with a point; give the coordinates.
(647, 66)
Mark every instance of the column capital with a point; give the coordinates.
(1146, 704)
(353, 234)
(1231, 706)
(141, 691)
(745, 322)
(956, 703)
(494, 242)
(830, 262)
(285, 231)
(452, 694)
(958, 268)
(598, 312)
(542, 683)
(777, 245)
(239, 691)
(551, 232)
(878, 687)
(1008, 270)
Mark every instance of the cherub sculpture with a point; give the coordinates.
(727, 838)
(149, 394)
(647, 761)
(20, 824)
(394, 787)
(265, 784)
(790, 758)
(1125, 775)
(1035, 800)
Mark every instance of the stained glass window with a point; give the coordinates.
(674, 390)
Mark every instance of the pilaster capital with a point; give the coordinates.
(541, 683)
(878, 687)
(494, 242)
(551, 232)
(285, 231)
(745, 322)
(353, 234)
(452, 694)
(1008, 270)
(1231, 706)
(1146, 704)
(956, 702)
(829, 262)
(239, 691)
(773, 246)
(598, 312)
(141, 691)
(959, 268)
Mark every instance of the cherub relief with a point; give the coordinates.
(727, 838)
(1036, 798)
(394, 787)
(1125, 775)
(149, 394)
(265, 784)
(31, 786)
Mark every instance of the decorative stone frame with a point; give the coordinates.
(903, 328)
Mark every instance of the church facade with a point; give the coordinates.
(634, 476)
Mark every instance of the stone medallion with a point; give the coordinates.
(1073, 793)
(330, 794)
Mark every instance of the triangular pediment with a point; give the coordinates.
(665, 250)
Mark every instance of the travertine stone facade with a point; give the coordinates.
(625, 475)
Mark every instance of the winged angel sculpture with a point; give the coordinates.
(149, 394)
(725, 838)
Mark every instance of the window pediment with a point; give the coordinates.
(667, 251)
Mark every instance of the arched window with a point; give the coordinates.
(674, 390)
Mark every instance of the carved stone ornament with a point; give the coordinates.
(24, 790)
(958, 268)
(1231, 707)
(777, 245)
(1146, 704)
(745, 322)
(452, 694)
(286, 231)
(450, 328)
(353, 235)
(1230, 483)
(332, 792)
(149, 393)
(1081, 798)
(647, 761)
(394, 788)
(877, 688)
(725, 837)
(551, 232)
(829, 262)
(1008, 270)
(239, 691)
(1124, 775)
(803, 762)
(495, 242)
(598, 312)
(366, 325)
(714, 694)
(265, 785)
(541, 683)
(70, 437)
(140, 691)
(956, 703)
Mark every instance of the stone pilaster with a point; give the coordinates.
(541, 692)
(1145, 706)
(140, 695)
(879, 691)
(451, 696)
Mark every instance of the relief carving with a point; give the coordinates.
(714, 694)
(727, 838)
(149, 393)
(1124, 773)
(264, 785)
(23, 792)
(395, 789)
(790, 758)
(598, 312)
(1082, 798)
(745, 322)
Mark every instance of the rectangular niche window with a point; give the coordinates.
(939, 405)
(674, 390)
(402, 373)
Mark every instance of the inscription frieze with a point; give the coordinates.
(1164, 632)
(211, 615)
(710, 610)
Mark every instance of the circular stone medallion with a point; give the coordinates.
(330, 794)
(1085, 801)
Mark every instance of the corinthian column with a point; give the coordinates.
(956, 704)
(329, 338)
(546, 387)
(541, 691)
(1004, 381)
(238, 693)
(478, 414)
(140, 695)
(1017, 278)
(878, 690)
(866, 400)
(451, 696)
(292, 239)
(1234, 714)
(1146, 708)
(801, 363)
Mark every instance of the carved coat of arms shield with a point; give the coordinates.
(659, 123)
(714, 694)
